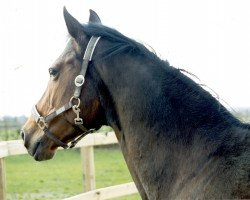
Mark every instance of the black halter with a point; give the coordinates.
(74, 102)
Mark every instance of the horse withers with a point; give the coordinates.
(178, 141)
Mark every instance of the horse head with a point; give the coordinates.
(70, 106)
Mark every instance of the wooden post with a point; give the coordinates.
(2, 180)
(87, 154)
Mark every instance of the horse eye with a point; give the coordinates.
(53, 72)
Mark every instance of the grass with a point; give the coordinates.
(9, 134)
(61, 177)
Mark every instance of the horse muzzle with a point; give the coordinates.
(39, 148)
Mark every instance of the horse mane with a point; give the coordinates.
(121, 43)
(204, 103)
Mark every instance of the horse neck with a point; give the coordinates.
(158, 137)
(137, 91)
(149, 92)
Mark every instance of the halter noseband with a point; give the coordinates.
(74, 102)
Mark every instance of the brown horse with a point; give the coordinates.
(178, 141)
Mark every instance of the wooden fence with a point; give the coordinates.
(15, 147)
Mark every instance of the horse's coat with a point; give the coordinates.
(178, 141)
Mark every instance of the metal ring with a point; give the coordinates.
(41, 123)
(77, 99)
(79, 80)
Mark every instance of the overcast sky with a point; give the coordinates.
(210, 38)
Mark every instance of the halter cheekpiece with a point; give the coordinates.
(74, 102)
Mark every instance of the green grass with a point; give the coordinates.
(62, 176)
(9, 135)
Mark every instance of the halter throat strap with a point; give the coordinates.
(74, 102)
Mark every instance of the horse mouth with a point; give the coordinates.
(34, 149)
(39, 153)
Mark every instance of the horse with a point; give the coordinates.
(178, 141)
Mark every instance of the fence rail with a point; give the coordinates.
(15, 147)
(107, 193)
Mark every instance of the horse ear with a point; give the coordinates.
(93, 17)
(74, 27)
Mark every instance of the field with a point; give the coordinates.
(62, 176)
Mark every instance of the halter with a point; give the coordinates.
(74, 103)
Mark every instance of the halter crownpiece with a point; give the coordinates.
(79, 80)
(74, 102)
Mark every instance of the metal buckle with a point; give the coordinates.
(41, 123)
(79, 80)
(78, 121)
(77, 111)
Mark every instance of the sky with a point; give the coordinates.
(209, 38)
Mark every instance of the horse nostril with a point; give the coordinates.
(22, 134)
